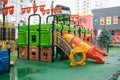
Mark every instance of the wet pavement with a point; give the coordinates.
(60, 70)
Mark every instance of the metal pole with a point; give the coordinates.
(34, 5)
(52, 7)
(3, 17)
(18, 45)
(52, 40)
(3, 32)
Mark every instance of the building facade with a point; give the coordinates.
(108, 17)
(86, 6)
(77, 6)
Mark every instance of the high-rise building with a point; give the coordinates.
(86, 6)
(77, 6)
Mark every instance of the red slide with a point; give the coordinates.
(98, 49)
(92, 54)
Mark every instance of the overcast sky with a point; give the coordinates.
(71, 3)
(114, 3)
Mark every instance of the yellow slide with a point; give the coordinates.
(78, 54)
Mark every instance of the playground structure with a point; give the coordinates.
(45, 41)
(59, 42)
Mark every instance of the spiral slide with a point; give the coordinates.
(88, 49)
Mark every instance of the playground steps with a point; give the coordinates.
(64, 45)
(64, 48)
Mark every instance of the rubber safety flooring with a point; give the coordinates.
(60, 70)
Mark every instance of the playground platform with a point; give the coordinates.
(60, 70)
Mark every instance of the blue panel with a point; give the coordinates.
(96, 21)
(4, 61)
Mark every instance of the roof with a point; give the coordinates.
(86, 14)
(63, 7)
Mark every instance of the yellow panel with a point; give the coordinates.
(108, 20)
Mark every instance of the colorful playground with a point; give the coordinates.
(66, 46)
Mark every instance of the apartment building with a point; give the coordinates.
(85, 6)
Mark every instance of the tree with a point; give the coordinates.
(104, 38)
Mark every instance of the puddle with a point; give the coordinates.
(115, 76)
(27, 70)
(118, 59)
(112, 55)
(27, 78)
(23, 73)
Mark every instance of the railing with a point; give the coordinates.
(63, 44)
(114, 44)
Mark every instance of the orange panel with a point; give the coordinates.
(23, 53)
(46, 54)
(34, 55)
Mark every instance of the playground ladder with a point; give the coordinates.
(64, 45)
